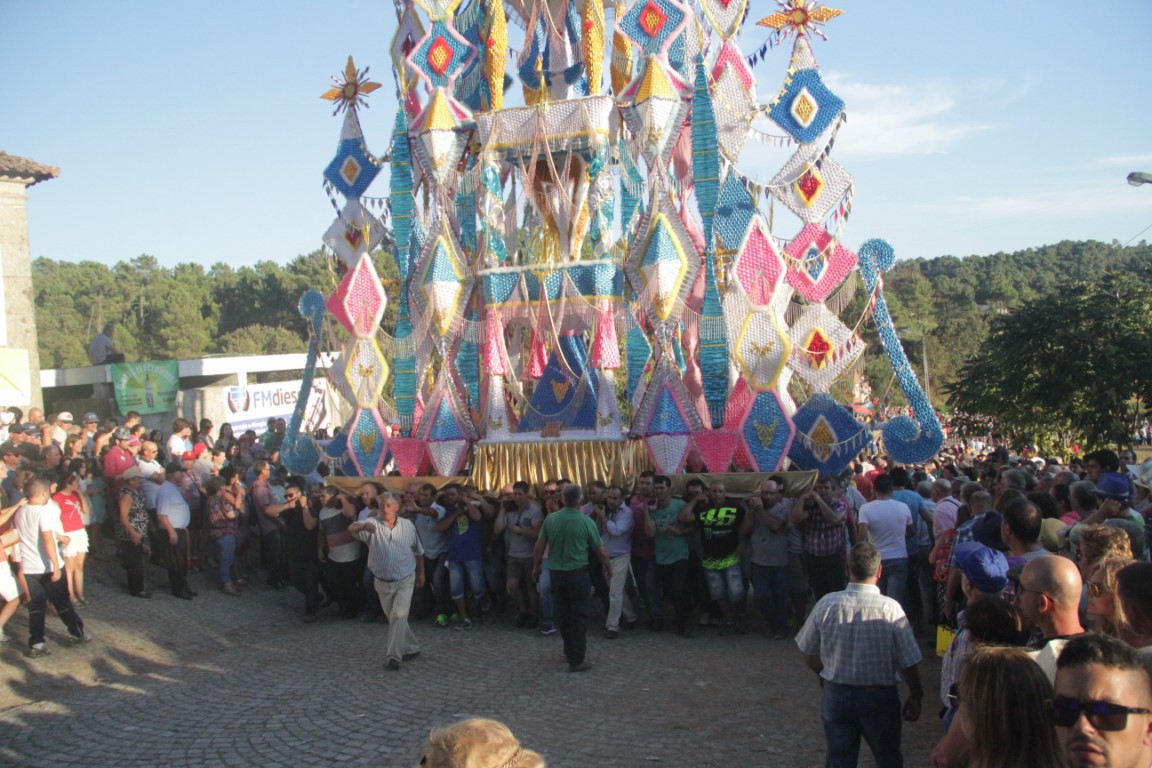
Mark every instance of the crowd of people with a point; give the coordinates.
(1024, 556)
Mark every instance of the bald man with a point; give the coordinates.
(1048, 596)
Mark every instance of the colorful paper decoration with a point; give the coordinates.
(827, 437)
(805, 107)
(906, 440)
(662, 267)
(358, 303)
(817, 263)
(811, 184)
(799, 17)
(654, 24)
(299, 452)
(717, 447)
(759, 266)
(366, 442)
(823, 348)
(694, 275)
(767, 431)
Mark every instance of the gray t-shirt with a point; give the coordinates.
(769, 548)
(434, 540)
(517, 545)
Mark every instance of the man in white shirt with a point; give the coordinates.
(173, 515)
(180, 441)
(38, 523)
(886, 523)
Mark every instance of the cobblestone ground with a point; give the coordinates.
(223, 681)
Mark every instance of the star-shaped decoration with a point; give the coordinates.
(351, 91)
(800, 18)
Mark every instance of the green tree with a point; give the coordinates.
(1070, 364)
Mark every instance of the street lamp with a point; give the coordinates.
(1136, 178)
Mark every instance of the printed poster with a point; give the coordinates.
(146, 387)
(250, 407)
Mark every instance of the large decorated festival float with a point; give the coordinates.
(597, 278)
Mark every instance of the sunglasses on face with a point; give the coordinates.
(1103, 715)
(1095, 589)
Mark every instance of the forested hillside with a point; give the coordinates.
(943, 306)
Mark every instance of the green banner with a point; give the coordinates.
(146, 387)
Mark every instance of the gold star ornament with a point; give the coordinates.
(352, 90)
(799, 17)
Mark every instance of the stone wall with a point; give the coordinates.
(19, 311)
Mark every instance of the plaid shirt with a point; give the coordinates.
(822, 538)
(965, 533)
(861, 637)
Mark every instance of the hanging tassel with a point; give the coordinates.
(494, 353)
(593, 41)
(605, 345)
(495, 57)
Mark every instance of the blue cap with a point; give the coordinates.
(1113, 485)
(985, 568)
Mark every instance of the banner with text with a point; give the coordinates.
(146, 387)
(250, 407)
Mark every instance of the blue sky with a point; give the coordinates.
(195, 132)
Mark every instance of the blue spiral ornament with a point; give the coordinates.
(908, 441)
(299, 454)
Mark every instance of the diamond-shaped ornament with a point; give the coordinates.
(654, 110)
(823, 348)
(827, 437)
(734, 212)
(441, 55)
(805, 107)
(654, 24)
(354, 232)
(662, 265)
(810, 184)
(446, 416)
(667, 406)
(816, 263)
(352, 170)
(735, 105)
(441, 284)
(761, 349)
(759, 265)
(441, 132)
(358, 301)
(365, 370)
(767, 431)
(367, 442)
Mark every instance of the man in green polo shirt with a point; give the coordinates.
(569, 536)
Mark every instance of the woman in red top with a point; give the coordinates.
(73, 505)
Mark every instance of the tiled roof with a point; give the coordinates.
(12, 167)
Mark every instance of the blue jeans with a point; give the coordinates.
(475, 569)
(544, 589)
(773, 591)
(850, 712)
(644, 571)
(726, 584)
(226, 549)
(894, 578)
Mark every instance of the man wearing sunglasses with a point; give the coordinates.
(1102, 708)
